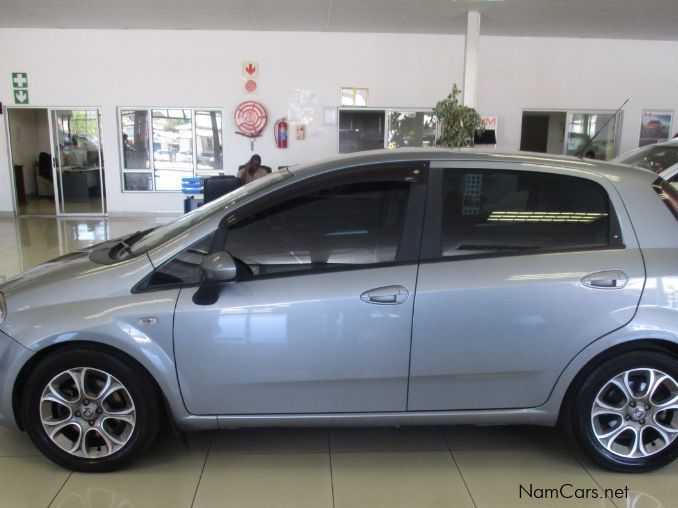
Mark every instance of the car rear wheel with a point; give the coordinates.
(90, 411)
(626, 412)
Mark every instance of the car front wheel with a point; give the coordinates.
(626, 412)
(89, 410)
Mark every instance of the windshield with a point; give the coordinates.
(160, 235)
(655, 158)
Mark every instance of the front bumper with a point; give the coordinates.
(12, 357)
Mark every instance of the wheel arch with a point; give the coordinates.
(660, 345)
(27, 368)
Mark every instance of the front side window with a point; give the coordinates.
(490, 212)
(344, 225)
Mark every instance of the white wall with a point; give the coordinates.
(518, 73)
(111, 68)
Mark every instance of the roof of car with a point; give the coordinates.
(611, 171)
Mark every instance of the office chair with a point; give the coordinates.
(45, 166)
(216, 186)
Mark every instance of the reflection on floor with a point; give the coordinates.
(414, 467)
(45, 206)
(37, 206)
(28, 241)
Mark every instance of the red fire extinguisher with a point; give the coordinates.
(280, 133)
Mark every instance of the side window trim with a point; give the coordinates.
(431, 242)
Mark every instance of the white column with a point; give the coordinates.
(471, 58)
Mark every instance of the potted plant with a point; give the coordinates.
(458, 123)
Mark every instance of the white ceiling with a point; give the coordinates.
(624, 19)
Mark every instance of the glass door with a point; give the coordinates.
(78, 162)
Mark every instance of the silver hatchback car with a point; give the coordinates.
(387, 288)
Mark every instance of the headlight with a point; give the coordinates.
(3, 308)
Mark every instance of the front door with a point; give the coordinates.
(525, 268)
(319, 319)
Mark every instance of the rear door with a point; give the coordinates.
(522, 267)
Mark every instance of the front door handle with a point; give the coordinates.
(387, 295)
(609, 279)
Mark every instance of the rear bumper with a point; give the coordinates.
(12, 357)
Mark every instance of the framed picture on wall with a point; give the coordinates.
(655, 126)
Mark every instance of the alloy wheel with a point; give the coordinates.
(87, 412)
(635, 414)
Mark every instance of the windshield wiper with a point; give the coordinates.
(123, 246)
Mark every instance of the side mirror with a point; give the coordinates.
(219, 267)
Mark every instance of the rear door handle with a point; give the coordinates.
(387, 295)
(610, 279)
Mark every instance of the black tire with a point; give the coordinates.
(138, 384)
(582, 427)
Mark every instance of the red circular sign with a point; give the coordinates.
(250, 118)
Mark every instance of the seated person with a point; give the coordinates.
(251, 170)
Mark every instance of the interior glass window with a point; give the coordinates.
(172, 147)
(208, 142)
(135, 139)
(350, 224)
(504, 211)
(411, 128)
(360, 130)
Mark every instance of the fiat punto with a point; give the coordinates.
(385, 288)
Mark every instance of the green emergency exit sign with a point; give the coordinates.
(20, 96)
(20, 86)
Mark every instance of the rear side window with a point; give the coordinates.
(490, 212)
(668, 194)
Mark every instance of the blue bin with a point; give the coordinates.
(192, 185)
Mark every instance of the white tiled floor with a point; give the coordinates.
(414, 467)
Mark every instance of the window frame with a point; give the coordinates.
(431, 244)
(410, 240)
(151, 162)
(411, 235)
(387, 122)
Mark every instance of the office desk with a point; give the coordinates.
(80, 184)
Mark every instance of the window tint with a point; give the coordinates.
(184, 268)
(351, 224)
(504, 211)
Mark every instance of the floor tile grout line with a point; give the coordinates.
(60, 489)
(329, 453)
(583, 466)
(461, 475)
(202, 471)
